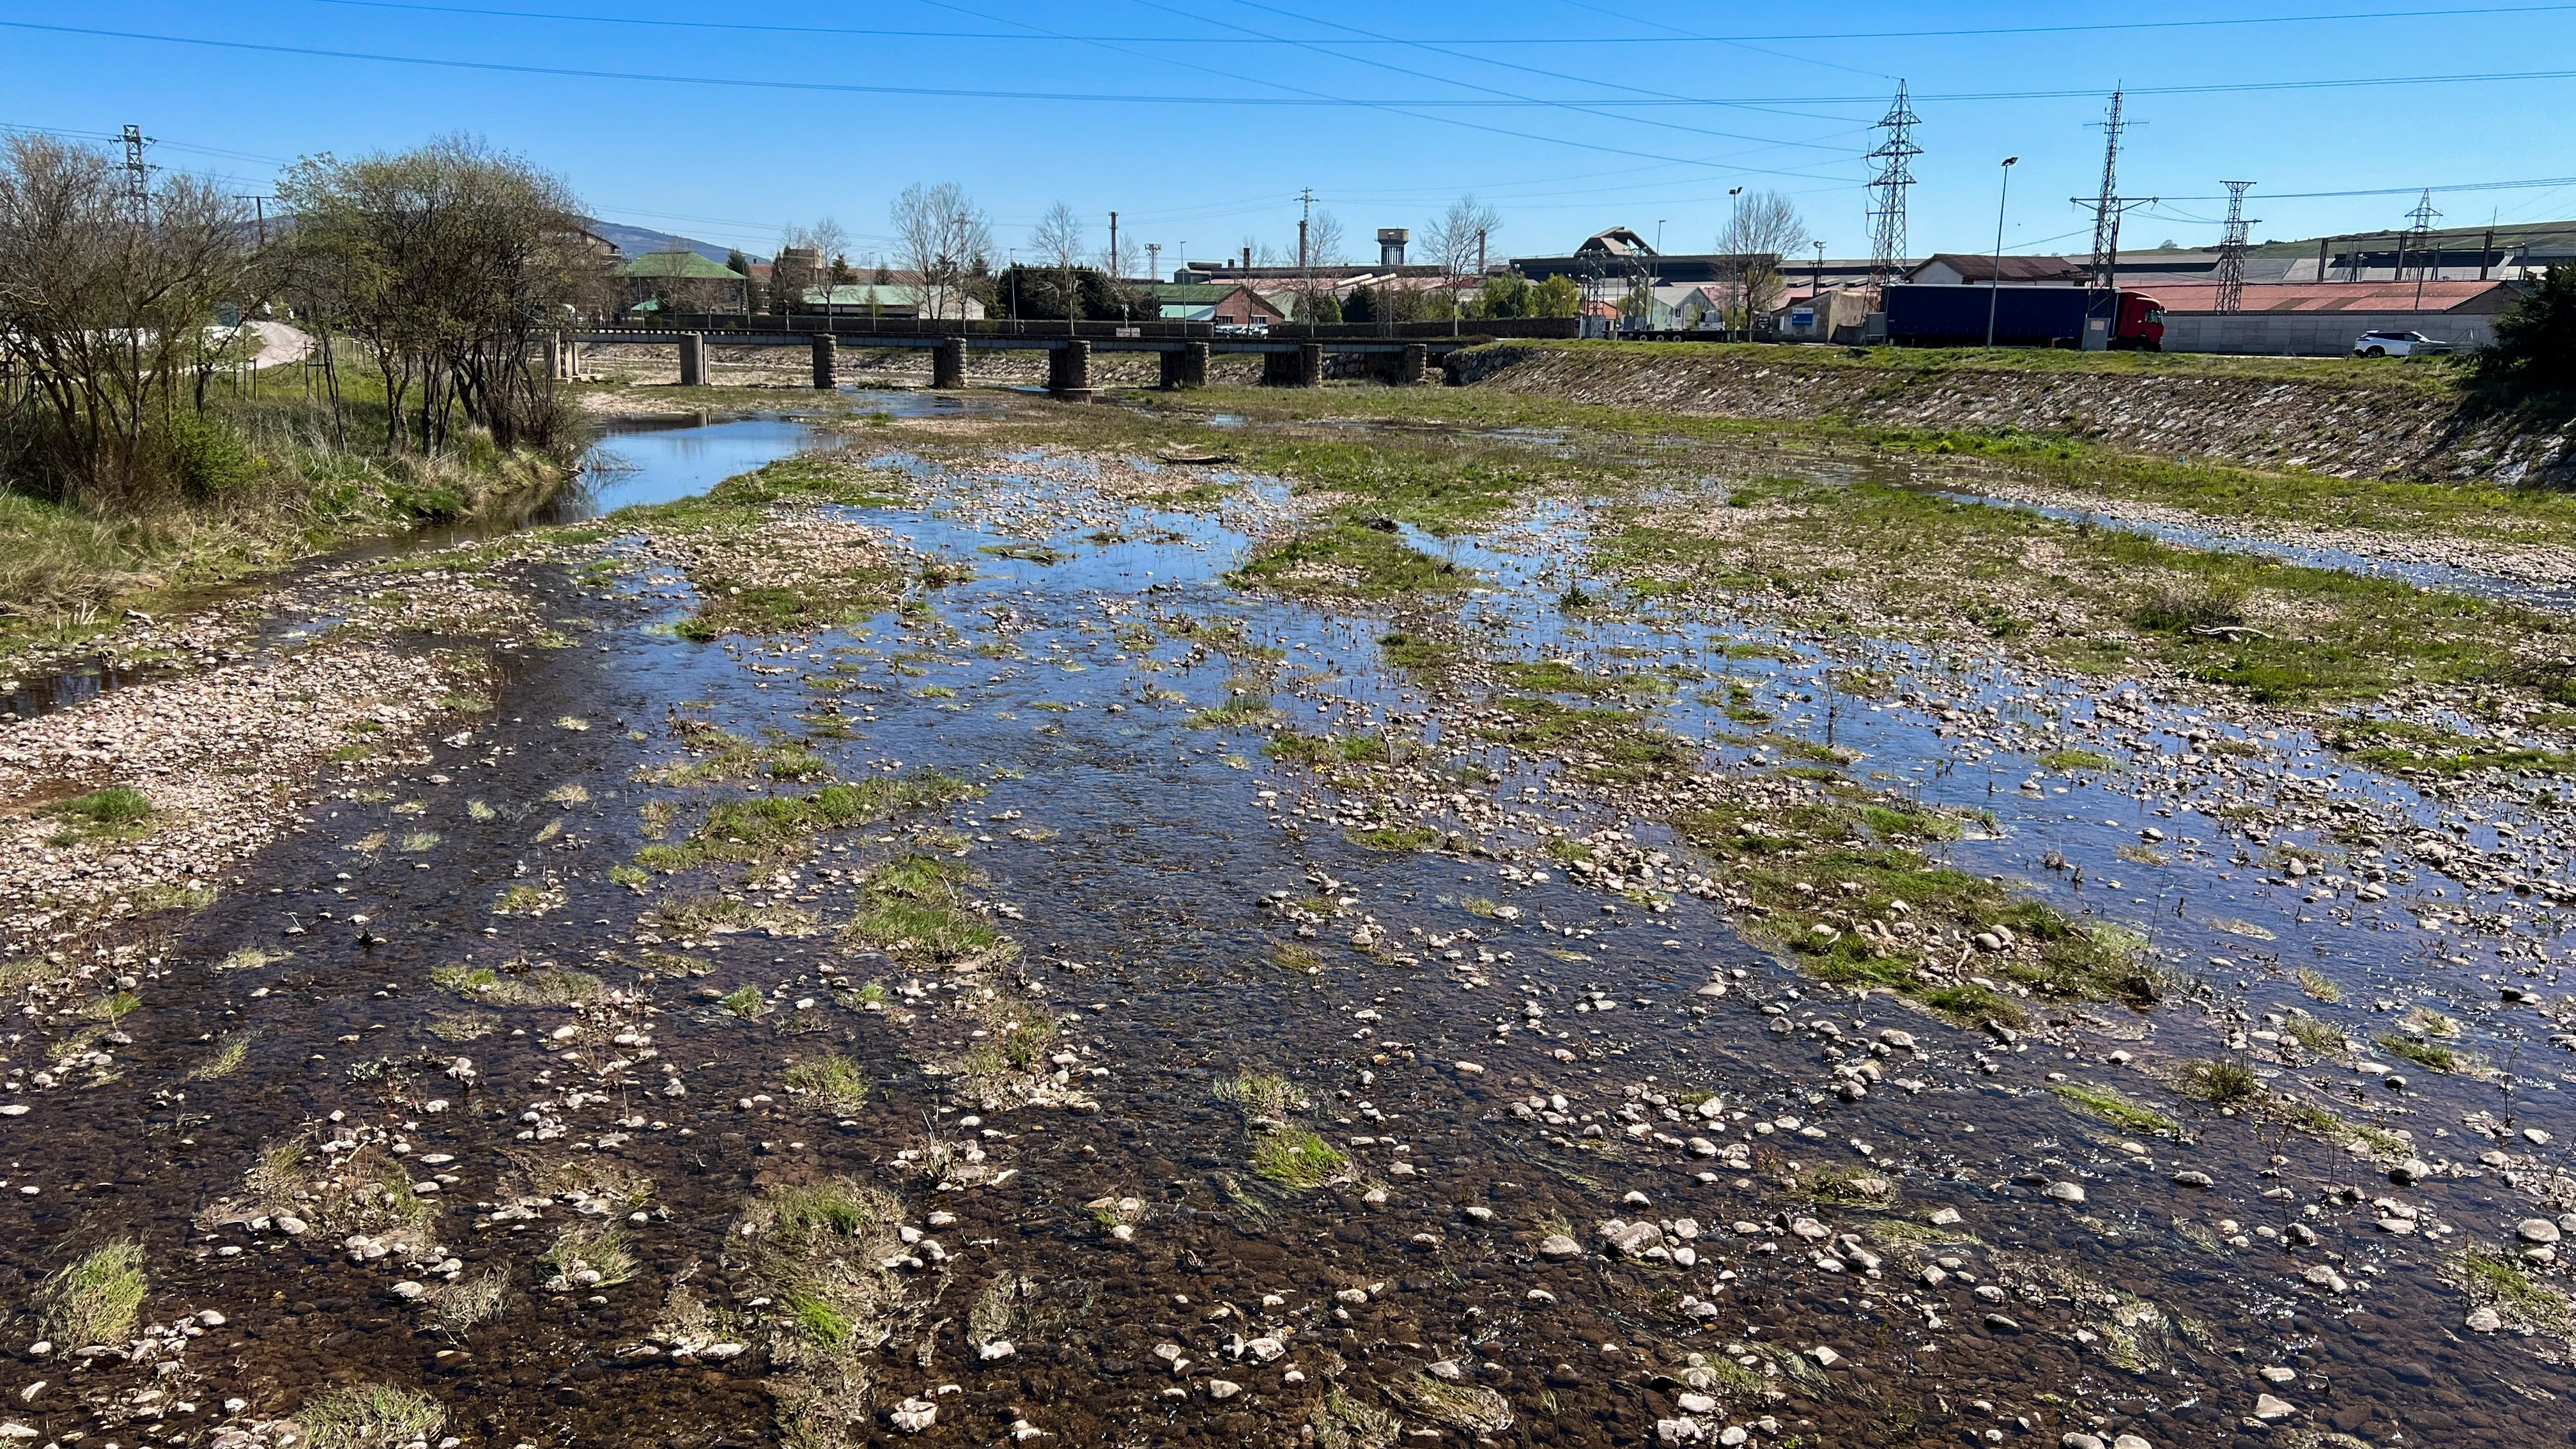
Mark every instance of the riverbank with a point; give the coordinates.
(2332, 418)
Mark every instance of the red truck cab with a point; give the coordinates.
(2141, 325)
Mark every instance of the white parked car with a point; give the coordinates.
(2398, 344)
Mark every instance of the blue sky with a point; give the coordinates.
(1200, 120)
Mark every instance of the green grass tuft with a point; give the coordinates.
(94, 1299)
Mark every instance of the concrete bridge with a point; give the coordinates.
(1291, 356)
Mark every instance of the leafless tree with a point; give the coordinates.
(1325, 244)
(449, 263)
(942, 237)
(105, 306)
(1763, 228)
(1058, 239)
(825, 236)
(1456, 244)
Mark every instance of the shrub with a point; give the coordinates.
(209, 459)
(2535, 340)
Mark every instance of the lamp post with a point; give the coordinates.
(1995, 279)
(1655, 269)
(1735, 264)
(1823, 325)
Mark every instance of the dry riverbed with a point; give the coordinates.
(1064, 926)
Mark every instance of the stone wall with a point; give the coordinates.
(2313, 334)
(2361, 428)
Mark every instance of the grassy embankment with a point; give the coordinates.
(257, 481)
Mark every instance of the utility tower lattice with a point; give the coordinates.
(2106, 204)
(2231, 249)
(138, 175)
(2424, 216)
(1895, 157)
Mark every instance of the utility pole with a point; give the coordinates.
(2423, 216)
(1816, 295)
(1305, 248)
(2231, 249)
(138, 176)
(2106, 206)
(2109, 205)
(1887, 187)
(1114, 260)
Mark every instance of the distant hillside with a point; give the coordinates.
(635, 241)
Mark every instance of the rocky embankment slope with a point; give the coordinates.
(2390, 429)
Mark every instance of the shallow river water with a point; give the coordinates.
(1796, 1216)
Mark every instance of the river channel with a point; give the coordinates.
(1209, 1098)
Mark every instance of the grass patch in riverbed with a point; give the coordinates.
(1852, 901)
(834, 1082)
(1240, 711)
(369, 1416)
(2218, 1083)
(2400, 745)
(1600, 744)
(1348, 557)
(778, 825)
(588, 1255)
(2097, 599)
(1560, 676)
(543, 986)
(2500, 1283)
(93, 1299)
(1394, 839)
(118, 812)
(2429, 1055)
(913, 908)
(2118, 1110)
(1295, 1157)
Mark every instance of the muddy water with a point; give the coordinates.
(1136, 858)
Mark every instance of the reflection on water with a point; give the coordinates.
(643, 462)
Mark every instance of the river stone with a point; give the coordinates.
(2078, 1441)
(2536, 1230)
(914, 1415)
(2065, 1192)
(2188, 1178)
(2130, 1441)
(2484, 1320)
(2268, 1408)
(1559, 1247)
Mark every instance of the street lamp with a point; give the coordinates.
(1995, 279)
(1736, 263)
(1655, 269)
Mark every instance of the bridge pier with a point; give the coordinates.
(1413, 366)
(827, 362)
(948, 363)
(1187, 367)
(693, 359)
(1069, 369)
(1301, 368)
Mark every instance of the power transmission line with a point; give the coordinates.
(1400, 106)
(1676, 37)
(1895, 157)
